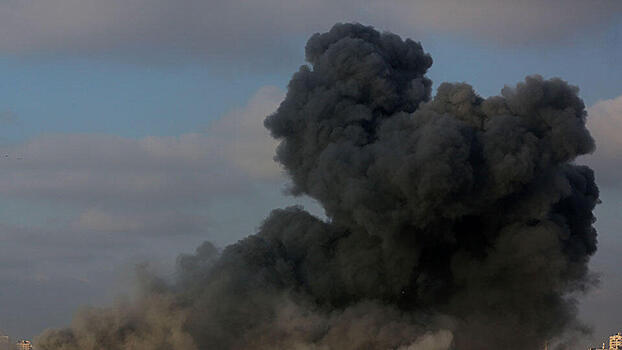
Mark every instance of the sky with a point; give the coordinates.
(131, 131)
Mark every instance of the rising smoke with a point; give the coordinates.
(456, 222)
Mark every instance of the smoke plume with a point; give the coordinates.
(453, 222)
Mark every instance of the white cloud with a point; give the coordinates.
(153, 171)
(154, 222)
(504, 22)
(93, 203)
(92, 168)
(240, 28)
(102, 189)
(605, 124)
(245, 141)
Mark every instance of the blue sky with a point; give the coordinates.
(91, 103)
(121, 95)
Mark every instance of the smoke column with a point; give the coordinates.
(453, 222)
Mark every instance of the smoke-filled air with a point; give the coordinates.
(452, 222)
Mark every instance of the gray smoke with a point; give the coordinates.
(456, 222)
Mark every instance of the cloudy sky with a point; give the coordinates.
(131, 131)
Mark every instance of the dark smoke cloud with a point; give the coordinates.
(456, 222)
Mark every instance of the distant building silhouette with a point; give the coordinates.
(4, 342)
(615, 343)
(23, 345)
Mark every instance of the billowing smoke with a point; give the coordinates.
(455, 222)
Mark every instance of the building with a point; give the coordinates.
(603, 348)
(23, 345)
(4, 342)
(615, 342)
